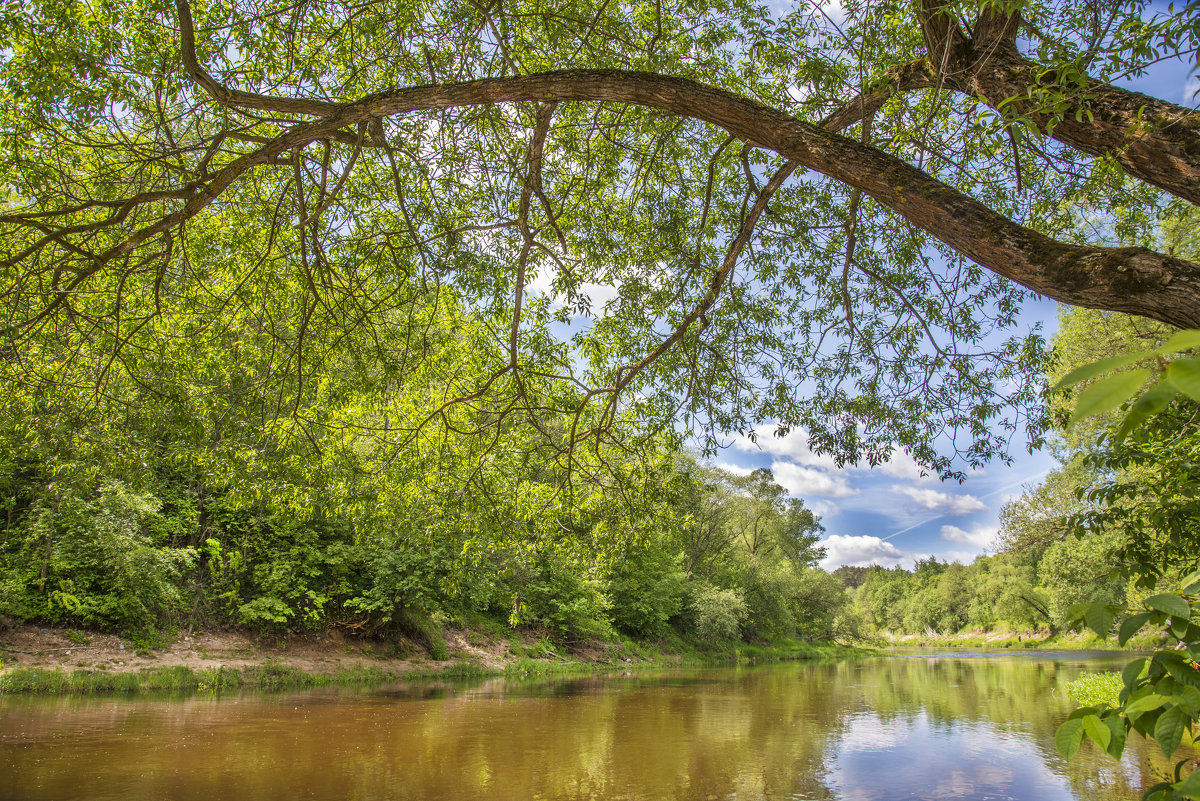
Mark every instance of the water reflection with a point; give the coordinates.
(876, 730)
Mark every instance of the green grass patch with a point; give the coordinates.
(269, 677)
(1096, 689)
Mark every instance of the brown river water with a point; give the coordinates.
(921, 726)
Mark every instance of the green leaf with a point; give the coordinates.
(1145, 704)
(1099, 619)
(1168, 731)
(1131, 672)
(1108, 393)
(1180, 340)
(1181, 670)
(1131, 626)
(1077, 612)
(1093, 369)
(1190, 787)
(1170, 603)
(1148, 404)
(1184, 375)
(1068, 737)
(1097, 731)
(1116, 727)
(1191, 583)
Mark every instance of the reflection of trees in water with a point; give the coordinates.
(1011, 696)
(760, 733)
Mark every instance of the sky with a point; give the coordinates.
(892, 515)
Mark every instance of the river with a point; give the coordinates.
(919, 726)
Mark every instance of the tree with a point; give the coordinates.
(793, 213)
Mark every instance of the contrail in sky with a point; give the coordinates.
(1036, 475)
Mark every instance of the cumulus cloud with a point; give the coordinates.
(942, 501)
(805, 481)
(842, 549)
(821, 508)
(902, 465)
(792, 446)
(980, 536)
(1191, 92)
(736, 470)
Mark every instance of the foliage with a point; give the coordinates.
(1096, 689)
(315, 193)
(647, 590)
(718, 614)
(1149, 498)
(1160, 695)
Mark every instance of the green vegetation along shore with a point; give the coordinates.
(44, 666)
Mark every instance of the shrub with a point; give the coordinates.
(647, 591)
(717, 614)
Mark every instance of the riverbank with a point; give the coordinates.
(1032, 639)
(56, 661)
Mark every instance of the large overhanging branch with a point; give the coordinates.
(1134, 280)
(1152, 140)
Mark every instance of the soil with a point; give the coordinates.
(70, 649)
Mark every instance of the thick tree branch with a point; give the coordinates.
(1153, 140)
(1133, 280)
(235, 98)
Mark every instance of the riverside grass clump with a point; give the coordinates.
(1096, 689)
(269, 677)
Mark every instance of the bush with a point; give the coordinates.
(717, 614)
(647, 591)
(96, 561)
(1096, 689)
(569, 601)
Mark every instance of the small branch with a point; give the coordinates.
(533, 183)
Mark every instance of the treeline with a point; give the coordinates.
(1117, 521)
(718, 558)
(1008, 591)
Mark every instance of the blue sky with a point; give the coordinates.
(891, 515)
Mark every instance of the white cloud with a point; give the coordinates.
(834, 11)
(598, 294)
(980, 536)
(902, 465)
(736, 470)
(805, 481)
(962, 557)
(842, 549)
(792, 446)
(942, 501)
(799, 92)
(821, 508)
(1190, 89)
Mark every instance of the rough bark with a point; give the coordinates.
(1153, 140)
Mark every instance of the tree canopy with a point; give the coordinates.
(810, 221)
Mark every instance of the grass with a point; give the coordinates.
(1040, 640)
(270, 677)
(1096, 689)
